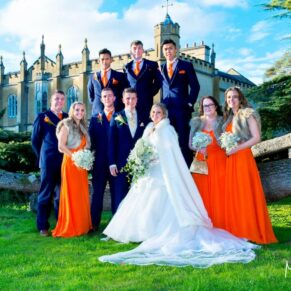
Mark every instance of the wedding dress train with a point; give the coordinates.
(165, 212)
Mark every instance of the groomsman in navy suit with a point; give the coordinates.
(106, 78)
(125, 129)
(145, 77)
(178, 77)
(45, 145)
(99, 130)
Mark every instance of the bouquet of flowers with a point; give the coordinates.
(141, 157)
(83, 159)
(201, 140)
(228, 141)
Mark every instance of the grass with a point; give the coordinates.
(31, 262)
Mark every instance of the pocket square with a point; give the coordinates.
(182, 72)
(114, 81)
(142, 124)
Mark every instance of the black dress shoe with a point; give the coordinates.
(44, 232)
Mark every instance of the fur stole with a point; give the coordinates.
(240, 123)
(75, 133)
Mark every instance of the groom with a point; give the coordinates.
(125, 129)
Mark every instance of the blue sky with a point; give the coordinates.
(246, 37)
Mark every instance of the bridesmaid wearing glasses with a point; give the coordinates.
(211, 186)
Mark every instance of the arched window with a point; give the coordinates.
(12, 106)
(72, 95)
(40, 97)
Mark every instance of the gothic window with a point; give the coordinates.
(12, 106)
(72, 95)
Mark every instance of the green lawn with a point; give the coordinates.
(31, 262)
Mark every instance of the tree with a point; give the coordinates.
(272, 100)
(284, 8)
(281, 67)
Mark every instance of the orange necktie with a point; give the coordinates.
(104, 78)
(137, 68)
(108, 116)
(170, 70)
(60, 115)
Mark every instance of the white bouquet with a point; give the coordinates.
(83, 159)
(201, 140)
(228, 141)
(141, 157)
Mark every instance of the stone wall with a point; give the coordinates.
(276, 179)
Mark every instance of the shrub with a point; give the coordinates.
(17, 157)
(7, 136)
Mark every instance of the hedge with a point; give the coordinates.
(17, 157)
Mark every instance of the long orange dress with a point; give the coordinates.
(211, 186)
(245, 208)
(74, 210)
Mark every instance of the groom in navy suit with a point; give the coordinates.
(125, 129)
(99, 131)
(178, 77)
(106, 78)
(45, 145)
(145, 77)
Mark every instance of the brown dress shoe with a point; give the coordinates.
(44, 232)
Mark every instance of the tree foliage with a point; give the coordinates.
(282, 6)
(281, 67)
(273, 101)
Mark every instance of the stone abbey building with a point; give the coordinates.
(26, 93)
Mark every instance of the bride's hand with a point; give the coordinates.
(113, 170)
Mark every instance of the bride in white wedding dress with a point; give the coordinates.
(165, 212)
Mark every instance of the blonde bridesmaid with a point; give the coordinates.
(74, 211)
(246, 211)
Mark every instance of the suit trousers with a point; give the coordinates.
(49, 189)
(121, 187)
(100, 176)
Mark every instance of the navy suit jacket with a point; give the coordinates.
(117, 82)
(147, 84)
(176, 90)
(44, 140)
(120, 140)
(99, 131)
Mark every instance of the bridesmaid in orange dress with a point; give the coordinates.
(211, 186)
(245, 208)
(74, 210)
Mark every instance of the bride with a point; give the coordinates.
(165, 212)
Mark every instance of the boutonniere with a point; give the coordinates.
(182, 72)
(99, 117)
(114, 81)
(95, 76)
(48, 121)
(142, 124)
(120, 119)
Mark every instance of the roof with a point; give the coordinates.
(236, 76)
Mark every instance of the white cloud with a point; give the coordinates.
(259, 31)
(69, 22)
(245, 51)
(226, 3)
(252, 67)
(232, 33)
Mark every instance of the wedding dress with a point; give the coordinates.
(165, 212)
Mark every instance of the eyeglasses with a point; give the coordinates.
(208, 106)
